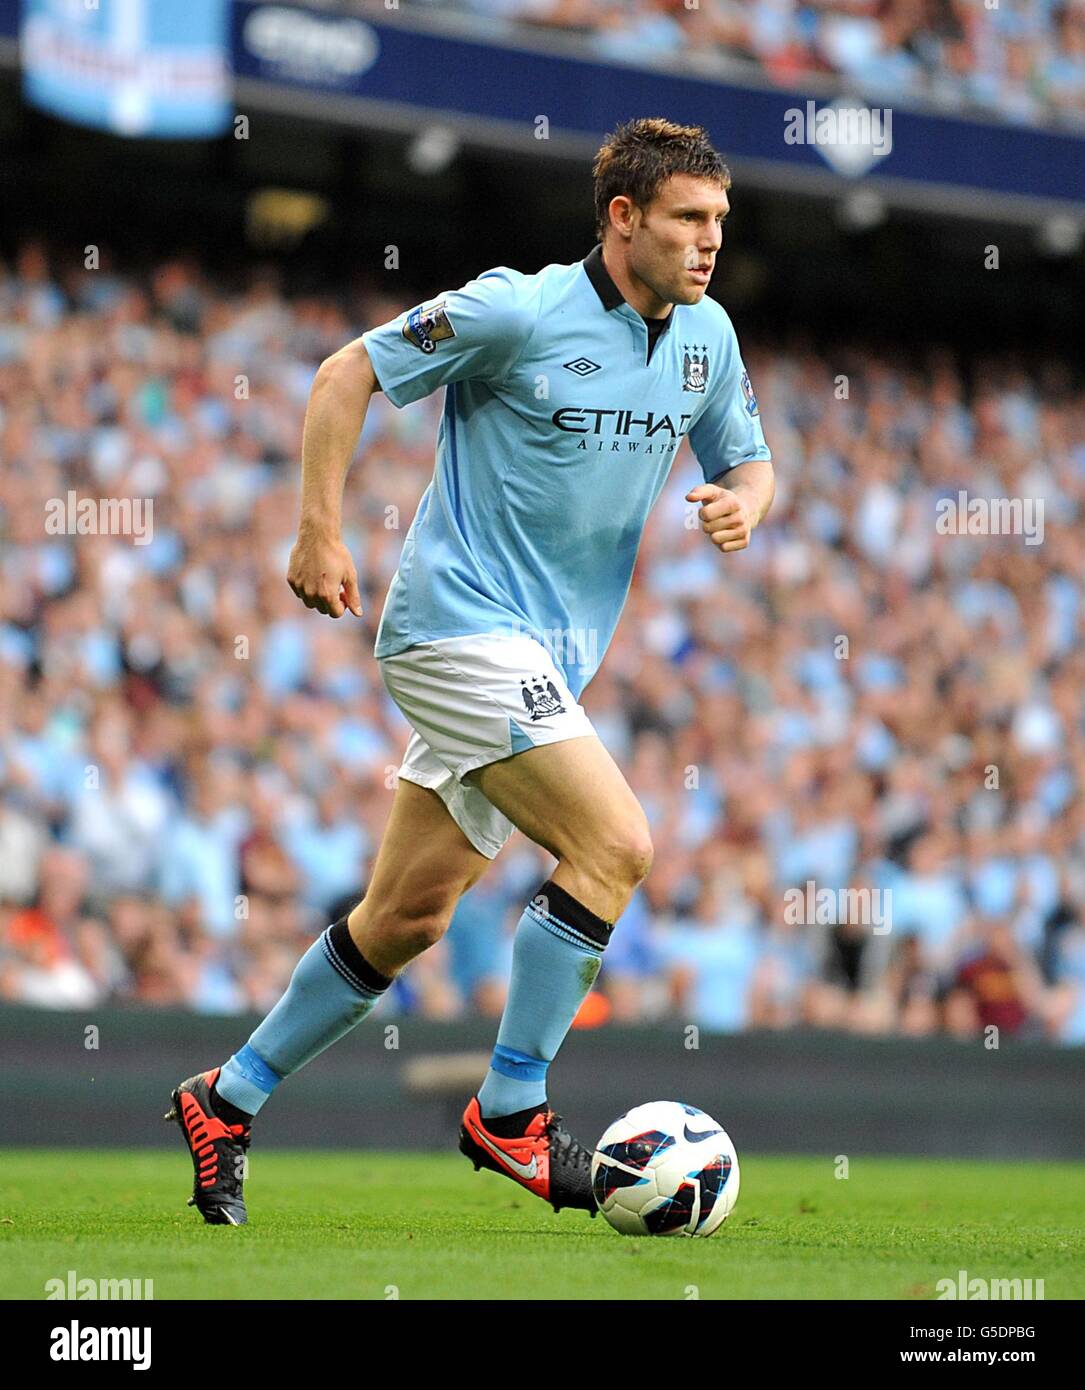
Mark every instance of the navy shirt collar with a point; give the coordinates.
(610, 296)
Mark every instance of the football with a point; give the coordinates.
(665, 1169)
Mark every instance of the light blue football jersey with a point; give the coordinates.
(558, 432)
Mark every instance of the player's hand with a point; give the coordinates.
(322, 574)
(726, 518)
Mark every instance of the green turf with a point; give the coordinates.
(374, 1225)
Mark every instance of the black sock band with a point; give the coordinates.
(573, 914)
(512, 1126)
(344, 947)
(229, 1114)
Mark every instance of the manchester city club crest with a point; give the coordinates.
(694, 368)
(540, 700)
(425, 328)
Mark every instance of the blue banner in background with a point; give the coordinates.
(82, 65)
(156, 68)
(424, 75)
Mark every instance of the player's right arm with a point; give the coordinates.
(474, 333)
(321, 571)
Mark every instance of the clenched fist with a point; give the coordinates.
(726, 517)
(322, 574)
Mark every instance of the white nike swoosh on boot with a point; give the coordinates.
(523, 1170)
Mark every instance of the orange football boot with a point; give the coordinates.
(545, 1159)
(217, 1149)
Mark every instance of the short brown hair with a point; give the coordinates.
(637, 158)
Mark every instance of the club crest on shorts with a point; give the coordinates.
(425, 328)
(694, 368)
(540, 700)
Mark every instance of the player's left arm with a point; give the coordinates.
(729, 514)
(729, 444)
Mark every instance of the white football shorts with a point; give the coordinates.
(472, 701)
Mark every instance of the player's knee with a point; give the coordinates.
(421, 933)
(417, 920)
(640, 853)
(627, 856)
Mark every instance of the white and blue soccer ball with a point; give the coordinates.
(665, 1169)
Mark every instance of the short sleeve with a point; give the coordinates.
(471, 334)
(728, 431)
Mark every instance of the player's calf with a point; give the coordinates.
(332, 989)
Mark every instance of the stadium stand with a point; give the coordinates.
(194, 770)
(1024, 62)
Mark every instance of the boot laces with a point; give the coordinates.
(564, 1149)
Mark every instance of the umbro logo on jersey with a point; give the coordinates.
(581, 366)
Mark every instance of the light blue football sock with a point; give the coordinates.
(556, 956)
(332, 989)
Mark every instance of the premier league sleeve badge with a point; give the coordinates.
(747, 391)
(425, 328)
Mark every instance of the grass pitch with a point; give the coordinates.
(415, 1226)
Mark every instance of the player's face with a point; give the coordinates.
(677, 237)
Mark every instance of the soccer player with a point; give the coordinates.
(567, 396)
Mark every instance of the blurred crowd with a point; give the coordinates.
(195, 770)
(1023, 60)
